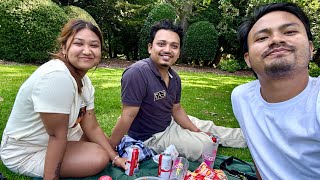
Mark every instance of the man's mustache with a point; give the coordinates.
(275, 47)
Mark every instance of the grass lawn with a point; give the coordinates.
(204, 95)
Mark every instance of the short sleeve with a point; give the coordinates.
(178, 91)
(133, 87)
(54, 93)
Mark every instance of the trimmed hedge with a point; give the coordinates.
(201, 42)
(29, 28)
(76, 12)
(160, 12)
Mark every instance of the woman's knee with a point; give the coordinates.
(100, 158)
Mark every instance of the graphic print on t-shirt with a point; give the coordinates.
(160, 95)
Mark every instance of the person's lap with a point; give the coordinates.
(190, 144)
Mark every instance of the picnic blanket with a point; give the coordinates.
(150, 168)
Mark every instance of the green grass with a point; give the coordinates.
(204, 95)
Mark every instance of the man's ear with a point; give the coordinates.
(247, 59)
(149, 47)
(311, 47)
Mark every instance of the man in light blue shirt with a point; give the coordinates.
(279, 113)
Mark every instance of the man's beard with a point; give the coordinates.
(164, 65)
(280, 69)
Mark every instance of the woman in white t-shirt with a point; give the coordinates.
(52, 131)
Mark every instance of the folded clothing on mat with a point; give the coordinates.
(127, 141)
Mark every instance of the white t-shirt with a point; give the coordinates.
(51, 89)
(283, 138)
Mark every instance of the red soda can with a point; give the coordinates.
(164, 166)
(133, 157)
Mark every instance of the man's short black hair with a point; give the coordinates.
(166, 25)
(291, 8)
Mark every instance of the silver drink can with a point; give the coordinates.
(164, 166)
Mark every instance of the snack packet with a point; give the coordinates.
(204, 172)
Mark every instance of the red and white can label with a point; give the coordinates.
(164, 166)
(133, 157)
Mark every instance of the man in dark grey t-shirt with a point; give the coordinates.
(143, 86)
(151, 110)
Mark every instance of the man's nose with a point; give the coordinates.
(277, 38)
(167, 48)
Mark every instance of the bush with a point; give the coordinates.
(201, 42)
(243, 65)
(229, 65)
(314, 70)
(160, 12)
(76, 12)
(29, 29)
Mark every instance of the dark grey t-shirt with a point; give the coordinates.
(142, 85)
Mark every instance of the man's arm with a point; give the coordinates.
(123, 124)
(181, 117)
(257, 171)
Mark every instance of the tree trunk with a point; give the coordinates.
(135, 52)
(217, 58)
(184, 14)
(109, 45)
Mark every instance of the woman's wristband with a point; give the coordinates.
(114, 160)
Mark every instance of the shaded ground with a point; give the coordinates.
(177, 67)
(112, 63)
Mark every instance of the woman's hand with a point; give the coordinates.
(121, 162)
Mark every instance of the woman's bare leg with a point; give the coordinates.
(83, 159)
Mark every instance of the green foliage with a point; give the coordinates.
(229, 65)
(314, 70)
(29, 29)
(76, 12)
(160, 12)
(203, 13)
(243, 65)
(201, 42)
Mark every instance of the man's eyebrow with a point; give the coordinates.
(165, 41)
(289, 25)
(266, 30)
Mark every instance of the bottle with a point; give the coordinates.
(210, 151)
